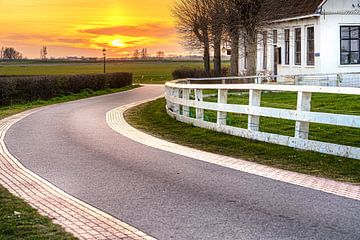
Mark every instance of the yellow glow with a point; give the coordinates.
(82, 27)
(117, 43)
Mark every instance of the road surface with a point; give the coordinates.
(166, 195)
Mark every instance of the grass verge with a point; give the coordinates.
(152, 118)
(14, 109)
(18, 220)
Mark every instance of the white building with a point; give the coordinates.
(309, 37)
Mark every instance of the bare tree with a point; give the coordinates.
(160, 55)
(192, 23)
(43, 53)
(2, 53)
(250, 24)
(243, 21)
(232, 16)
(215, 10)
(144, 53)
(11, 54)
(136, 54)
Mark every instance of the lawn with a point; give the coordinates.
(20, 221)
(329, 103)
(143, 72)
(152, 118)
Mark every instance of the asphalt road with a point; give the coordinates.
(163, 194)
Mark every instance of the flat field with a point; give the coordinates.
(143, 72)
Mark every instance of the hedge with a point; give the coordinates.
(186, 72)
(22, 89)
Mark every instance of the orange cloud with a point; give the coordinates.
(144, 30)
(87, 26)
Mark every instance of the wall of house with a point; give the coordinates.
(292, 68)
(327, 41)
(336, 14)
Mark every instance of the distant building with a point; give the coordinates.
(308, 37)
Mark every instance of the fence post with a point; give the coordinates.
(186, 96)
(222, 98)
(176, 107)
(338, 80)
(303, 104)
(254, 100)
(199, 98)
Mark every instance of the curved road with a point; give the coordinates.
(163, 194)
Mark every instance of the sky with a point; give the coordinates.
(85, 27)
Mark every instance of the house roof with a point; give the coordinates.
(284, 9)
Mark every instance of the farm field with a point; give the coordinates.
(143, 72)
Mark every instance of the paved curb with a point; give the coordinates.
(77, 217)
(117, 122)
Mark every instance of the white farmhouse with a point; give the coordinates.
(309, 37)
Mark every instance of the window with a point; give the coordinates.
(297, 46)
(265, 39)
(310, 47)
(287, 46)
(275, 37)
(350, 45)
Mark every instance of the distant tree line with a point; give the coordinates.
(206, 24)
(9, 53)
(143, 54)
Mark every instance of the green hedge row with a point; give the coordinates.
(22, 89)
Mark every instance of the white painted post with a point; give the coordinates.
(222, 98)
(254, 100)
(186, 96)
(176, 107)
(303, 104)
(168, 93)
(199, 98)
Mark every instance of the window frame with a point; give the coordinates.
(297, 46)
(349, 39)
(287, 46)
(308, 52)
(265, 49)
(275, 36)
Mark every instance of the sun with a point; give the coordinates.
(117, 43)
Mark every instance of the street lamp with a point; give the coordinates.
(104, 54)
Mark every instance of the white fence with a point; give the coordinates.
(179, 104)
(329, 80)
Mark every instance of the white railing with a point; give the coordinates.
(179, 103)
(329, 80)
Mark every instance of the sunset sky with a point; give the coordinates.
(84, 27)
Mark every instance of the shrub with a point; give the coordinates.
(21, 89)
(186, 72)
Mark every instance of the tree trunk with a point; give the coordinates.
(251, 42)
(206, 55)
(217, 56)
(234, 59)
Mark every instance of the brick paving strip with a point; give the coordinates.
(77, 217)
(117, 122)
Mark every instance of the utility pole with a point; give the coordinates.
(104, 54)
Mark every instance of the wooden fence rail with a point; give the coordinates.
(179, 103)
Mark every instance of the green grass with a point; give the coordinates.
(13, 109)
(17, 219)
(20, 221)
(152, 118)
(329, 103)
(143, 72)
